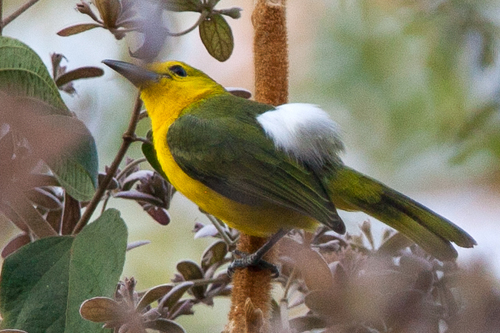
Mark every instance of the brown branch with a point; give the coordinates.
(18, 12)
(127, 141)
(251, 294)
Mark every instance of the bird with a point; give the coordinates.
(265, 169)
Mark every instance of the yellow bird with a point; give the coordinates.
(261, 168)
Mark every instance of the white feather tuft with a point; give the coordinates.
(303, 131)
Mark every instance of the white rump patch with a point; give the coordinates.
(303, 131)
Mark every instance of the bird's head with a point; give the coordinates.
(169, 86)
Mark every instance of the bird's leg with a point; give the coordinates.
(255, 259)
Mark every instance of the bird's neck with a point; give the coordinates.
(164, 109)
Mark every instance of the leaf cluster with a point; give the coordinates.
(352, 284)
(132, 311)
(124, 16)
(43, 148)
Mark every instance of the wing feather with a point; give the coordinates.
(229, 152)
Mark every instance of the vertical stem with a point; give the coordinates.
(251, 295)
(101, 189)
(270, 52)
(1, 17)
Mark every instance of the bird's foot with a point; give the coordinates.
(255, 260)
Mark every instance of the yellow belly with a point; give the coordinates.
(260, 220)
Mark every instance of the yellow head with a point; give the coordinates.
(168, 88)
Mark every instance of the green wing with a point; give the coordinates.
(224, 147)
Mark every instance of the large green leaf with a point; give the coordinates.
(76, 164)
(22, 73)
(26, 84)
(44, 283)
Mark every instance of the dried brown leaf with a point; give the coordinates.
(77, 28)
(102, 309)
(15, 243)
(153, 294)
(77, 74)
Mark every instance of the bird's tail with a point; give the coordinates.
(352, 190)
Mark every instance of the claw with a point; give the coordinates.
(251, 260)
(255, 259)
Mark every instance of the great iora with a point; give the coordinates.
(261, 168)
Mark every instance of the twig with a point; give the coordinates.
(230, 243)
(202, 18)
(18, 12)
(130, 166)
(205, 282)
(123, 172)
(1, 17)
(289, 282)
(127, 141)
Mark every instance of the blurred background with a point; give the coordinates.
(414, 86)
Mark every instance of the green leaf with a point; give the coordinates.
(43, 283)
(183, 5)
(98, 256)
(77, 169)
(34, 285)
(39, 113)
(69, 149)
(217, 37)
(22, 73)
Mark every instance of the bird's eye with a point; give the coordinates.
(178, 70)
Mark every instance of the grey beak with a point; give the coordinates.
(135, 74)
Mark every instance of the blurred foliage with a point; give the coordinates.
(413, 75)
(120, 17)
(342, 284)
(356, 283)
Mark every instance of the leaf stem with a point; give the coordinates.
(127, 141)
(230, 243)
(205, 282)
(202, 18)
(18, 12)
(120, 175)
(130, 166)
